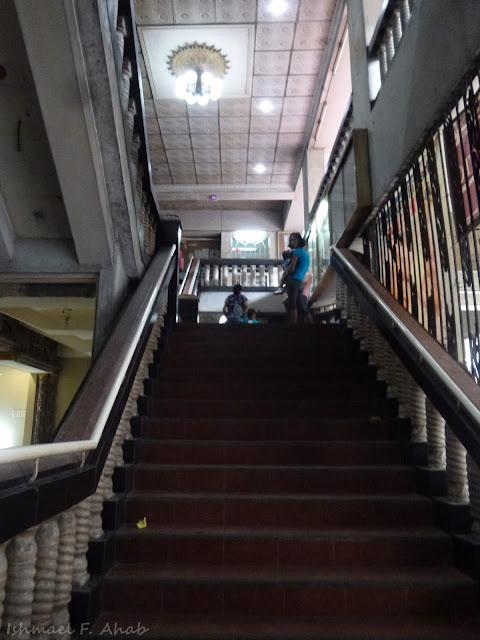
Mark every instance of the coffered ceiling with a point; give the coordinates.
(248, 158)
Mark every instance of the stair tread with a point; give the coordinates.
(298, 627)
(394, 468)
(415, 574)
(265, 497)
(338, 533)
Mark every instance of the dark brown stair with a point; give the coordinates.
(271, 473)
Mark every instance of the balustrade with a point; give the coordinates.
(225, 274)
(134, 138)
(40, 566)
(390, 32)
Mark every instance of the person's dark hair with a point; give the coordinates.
(237, 289)
(251, 313)
(300, 240)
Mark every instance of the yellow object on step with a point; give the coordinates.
(141, 524)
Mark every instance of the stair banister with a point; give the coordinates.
(444, 380)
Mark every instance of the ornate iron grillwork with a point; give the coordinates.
(423, 242)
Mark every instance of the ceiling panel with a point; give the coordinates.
(222, 143)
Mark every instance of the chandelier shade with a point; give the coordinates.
(199, 69)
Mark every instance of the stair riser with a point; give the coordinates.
(321, 481)
(268, 409)
(337, 362)
(258, 453)
(277, 599)
(317, 429)
(217, 550)
(247, 389)
(247, 512)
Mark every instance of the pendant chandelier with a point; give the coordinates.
(199, 69)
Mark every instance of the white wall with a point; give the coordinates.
(15, 387)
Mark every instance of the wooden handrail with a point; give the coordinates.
(190, 283)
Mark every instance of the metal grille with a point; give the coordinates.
(423, 242)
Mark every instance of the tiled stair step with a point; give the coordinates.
(271, 453)
(172, 370)
(230, 546)
(318, 480)
(268, 429)
(278, 510)
(204, 388)
(283, 407)
(286, 591)
(266, 350)
(233, 360)
(294, 627)
(186, 333)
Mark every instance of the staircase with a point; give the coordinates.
(278, 503)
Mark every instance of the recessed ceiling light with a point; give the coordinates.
(277, 7)
(259, 168)
(266, 106)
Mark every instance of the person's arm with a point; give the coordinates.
(290, 269)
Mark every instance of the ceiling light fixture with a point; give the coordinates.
(199, 69)
(266, 106)
(277, 7)
(259, 168)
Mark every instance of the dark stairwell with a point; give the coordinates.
(274, 478)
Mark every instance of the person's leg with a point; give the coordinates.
(303, 310)
(294, 291)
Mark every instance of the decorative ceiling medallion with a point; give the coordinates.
(198, 56)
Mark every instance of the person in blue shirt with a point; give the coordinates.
(294, 275)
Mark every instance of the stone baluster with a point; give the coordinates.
(134, 150)
(96, 508)
(139, 183)
(356, 319)
(107, 475)
(370, 340)
(262, 275)
(274, 279)
(380, 356)
(114, 13)
(47, 539)
(402, 387)
(21, 555)
(207, 275)
(417, 411)
(390, 376)
(216, 274)
(382, 61)
(3, 577)
(473, 473)
(244, 277)
(125, 87)
(389, 45)
(64, 572)
(80, 565)
(396, 27)
(435, 426)
(456, 464)
(341, 295)
(362, 329)
(404, 13)
(131, 113)
(349, 309)
(224, 282)
(121, 31)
